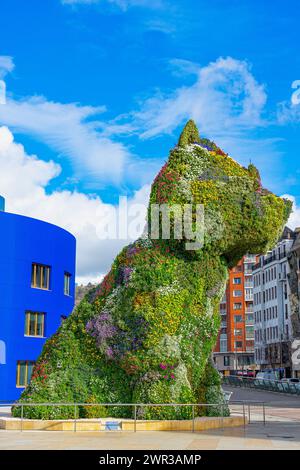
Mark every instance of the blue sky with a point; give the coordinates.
(98, 90)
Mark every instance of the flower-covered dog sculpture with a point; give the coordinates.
(146, 334)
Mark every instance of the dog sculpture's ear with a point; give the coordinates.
(189, 135)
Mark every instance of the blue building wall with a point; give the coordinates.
(24, 241)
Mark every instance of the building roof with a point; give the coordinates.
(288, 234)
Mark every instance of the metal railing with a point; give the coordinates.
(262, 384)
(237, 408)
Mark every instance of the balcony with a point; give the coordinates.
(250, 259)
(249, 285)
(269, 259)
(248, 270)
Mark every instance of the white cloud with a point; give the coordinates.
(6, 65)
(23, 182)
(72, 130)
(225, 98)
(294, 220)
(287, 112)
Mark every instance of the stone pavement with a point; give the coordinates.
(282, 431)
(282, 435)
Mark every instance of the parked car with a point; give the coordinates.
(266, 378)
(267, 374)
(289, 384)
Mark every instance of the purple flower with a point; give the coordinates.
(109, 352)
(124, 274)
(132, 250)
(163, 366)
(101, 328)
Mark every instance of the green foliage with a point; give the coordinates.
(146, 333)
(189, 134)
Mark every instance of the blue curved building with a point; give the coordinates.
(37, 284)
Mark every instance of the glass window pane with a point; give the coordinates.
(40, 276)
(22, 373)
(45, 278)
(40, 324)
(67, 278)
(29, 371)
(33, 275)
(26, 327)
(32, 324)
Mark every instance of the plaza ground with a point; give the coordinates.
(272, 436)
(281, 431)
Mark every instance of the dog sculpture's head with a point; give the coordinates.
(239, 215)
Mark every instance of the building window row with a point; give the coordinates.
(268, 334)
(266, 296)
(264, 277)
(272, 333)
(268, 314)
(40, 278)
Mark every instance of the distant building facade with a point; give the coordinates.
(294, 288)
(235, 347)
(272, 308)
(37, 280)
(82, 290)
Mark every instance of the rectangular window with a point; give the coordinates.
(238, 344)
(24, 371)
(237, 293)
(250, 331)
(238, 318)
(238, 332)
(67, 279)
(237, 306)
(35, 324)
(237, 280)
(40, 276)
(226, 361)
(249, 317)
